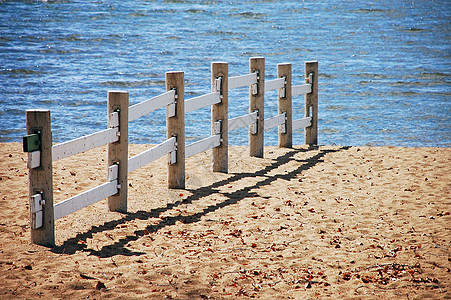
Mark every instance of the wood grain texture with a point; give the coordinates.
(176, 128)
(257, 103)
(40, 179)
(311, 104)
(118, 151)
(220, 112)
(285, 105)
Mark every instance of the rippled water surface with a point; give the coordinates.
(384, 65)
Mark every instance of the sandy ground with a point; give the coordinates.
(340, 222)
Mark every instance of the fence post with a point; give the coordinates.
(40, 178)
(311, 103)
(118, 151)
(257, 103)
(285, 106)
(220, 112)
(176, 128)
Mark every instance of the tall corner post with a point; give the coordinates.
(118, 151)
(285, 106)
(257, 104)
(311, 103)
(176, 128)
(220, 113)
(40, 178)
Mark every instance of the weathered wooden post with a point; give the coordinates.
(311, 103)
(40, 177)
(220, 113)
(175, 123)
(257, 103)
(285, 106)
(118, 151)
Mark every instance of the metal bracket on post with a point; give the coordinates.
(218, 87)
(114, 119)
(34, 159)
(217, 128)
(36, 207)
(254, 126)
(114, 122)
(309, 79)
(283, 91)
(283, 126)
(172, 157)
(113, 174)
(172, 108)
(255, 85)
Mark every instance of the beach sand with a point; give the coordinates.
(340, 222)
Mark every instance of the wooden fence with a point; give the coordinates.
(41, 152)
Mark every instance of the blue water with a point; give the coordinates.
(385, 67)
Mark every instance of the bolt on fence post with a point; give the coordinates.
(176, 128)
(285, 105)
(118, 151)
(220, 112)
(257, 103)
(311, 104)
(40, 179)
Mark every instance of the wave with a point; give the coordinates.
(21, 71)
(250, 15)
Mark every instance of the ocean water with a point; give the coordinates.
(385, 67)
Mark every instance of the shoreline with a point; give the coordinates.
(348, 221)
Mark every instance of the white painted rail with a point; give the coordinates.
(202, 101)
(302, 123)
(274, 84)
(275, 121)
(301, 89)
(202, 145)
(242, 80)
(84, 143)
(84, 199)
(243, 121)
(143, 108)
(152, 154)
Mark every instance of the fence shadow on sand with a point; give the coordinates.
(73, 245)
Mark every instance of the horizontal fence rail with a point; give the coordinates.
(302, 123)
(84, 199)
(41, 152)
(141, 109)
(89, 197)
(84, 143)
(154, 153)
(87, 142)
(243, 121)
(202, 101)
(242, 80)
(274, 84)
(301, 89)
(275, 121)
(202, 145)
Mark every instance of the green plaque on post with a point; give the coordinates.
(31, 142)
